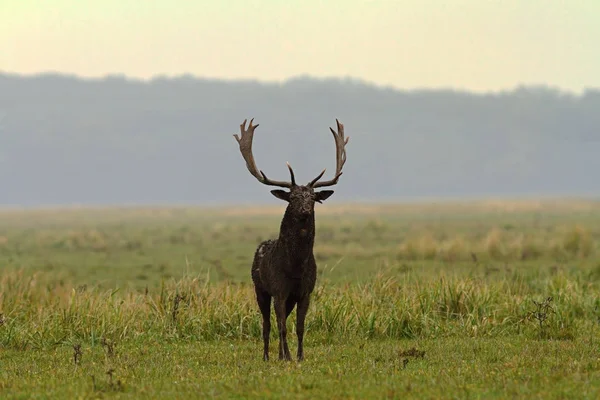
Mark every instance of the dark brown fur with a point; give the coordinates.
(284, 269)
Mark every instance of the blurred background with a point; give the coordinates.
(135, 102)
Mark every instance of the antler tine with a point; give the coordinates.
(340, 156)
(291, 173)
(317, 178)
(245, 142)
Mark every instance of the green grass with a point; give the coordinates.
(503, 298)
(450, 368)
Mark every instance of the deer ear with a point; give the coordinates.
(323, 195)
(281, 194)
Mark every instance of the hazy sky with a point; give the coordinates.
(475, 44)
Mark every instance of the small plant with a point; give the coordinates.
(108, 346)
(110, 386)
(406, 354)
(404, 363)
(542, 313)
(176, 302)
(77, 354)
(413, 352)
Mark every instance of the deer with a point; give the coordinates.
(284, 270)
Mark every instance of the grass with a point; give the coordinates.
(450, 368)
(452, 300)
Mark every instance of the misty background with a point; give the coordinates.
(114, 140)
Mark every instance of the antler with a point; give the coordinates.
(245, 143)
(340, 156)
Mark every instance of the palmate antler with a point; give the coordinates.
(340, 157)
(245, 142)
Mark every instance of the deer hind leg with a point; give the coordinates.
(264, 303)
(280, 313)
(300, 317)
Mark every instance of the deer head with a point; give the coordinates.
(301, 198)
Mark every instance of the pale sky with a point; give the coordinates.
(477, 45)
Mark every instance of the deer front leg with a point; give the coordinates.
(301, 311)
(264, 303)
(284, 351)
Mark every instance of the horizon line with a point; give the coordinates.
(291, 79)
(381, 202)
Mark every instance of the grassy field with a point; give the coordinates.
(496, 299)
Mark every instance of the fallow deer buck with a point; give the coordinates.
(285, 268)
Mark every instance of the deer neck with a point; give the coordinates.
(297, 235)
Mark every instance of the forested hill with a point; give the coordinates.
(65, 140)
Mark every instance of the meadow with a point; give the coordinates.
(481, 299)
